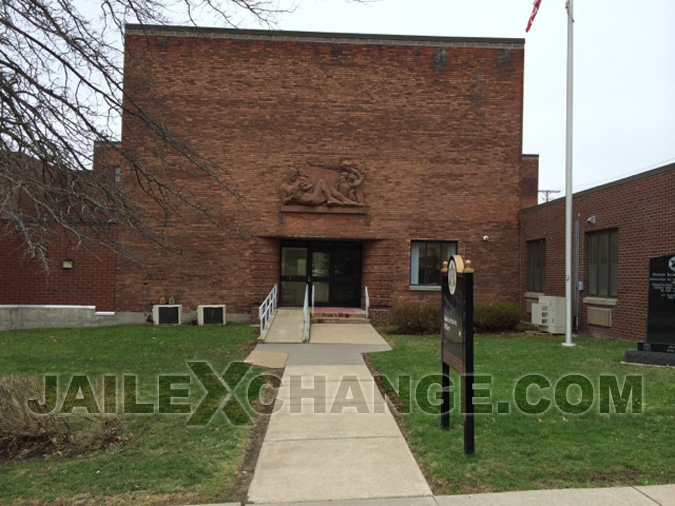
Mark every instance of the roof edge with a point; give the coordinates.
(299, 36)
(611, 184)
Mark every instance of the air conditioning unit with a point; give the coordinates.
(549, 314)
(211, 315)
(167, 314)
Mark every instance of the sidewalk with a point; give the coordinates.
(658, 495)
(332, 437)
(332, 441)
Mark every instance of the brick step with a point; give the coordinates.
(333, 319)
(338, 313)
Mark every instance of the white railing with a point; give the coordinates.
(267, 309)
(367, 303)
(305, 314)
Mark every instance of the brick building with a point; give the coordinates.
(621, 226)
(406, 147)
(352, 160)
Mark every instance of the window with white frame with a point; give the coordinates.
(426, 261)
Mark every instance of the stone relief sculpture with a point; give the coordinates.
(350, 181)
(342, 189)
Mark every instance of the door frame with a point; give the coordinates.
(331, 247)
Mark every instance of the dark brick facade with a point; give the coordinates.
(642, 209)
(436, 125)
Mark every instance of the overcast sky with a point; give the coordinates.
(624, 102)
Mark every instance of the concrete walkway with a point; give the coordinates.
(332, 441)
(658, 495)
(344, 333)
(287, 326)
(332, 437)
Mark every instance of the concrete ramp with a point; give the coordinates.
(287, 326)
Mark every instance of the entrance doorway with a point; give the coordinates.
(332, 268)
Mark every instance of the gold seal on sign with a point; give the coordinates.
(452, 276)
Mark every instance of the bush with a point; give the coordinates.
(415, 318)
(496, 316)
(26, 434)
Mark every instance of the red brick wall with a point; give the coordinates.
(642, 209)
(24, 281)
(529, 181)
(436, 128)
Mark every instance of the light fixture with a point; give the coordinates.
(68, 263)
(591, 220)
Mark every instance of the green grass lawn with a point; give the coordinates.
(163, 461)
(550, 450)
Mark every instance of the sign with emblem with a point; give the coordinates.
(457, 341)
(661, 305)
(456, 305)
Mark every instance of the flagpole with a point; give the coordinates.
(568, 174)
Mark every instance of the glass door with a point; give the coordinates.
(346, 276)
(332, 268)
(293, 275)
(321, 276)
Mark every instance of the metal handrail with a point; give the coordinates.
(367, 303)
(312, 300)
(305, 314)
(267, 309)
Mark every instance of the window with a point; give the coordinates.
(536, 255)
(602, 253)
(426, 261)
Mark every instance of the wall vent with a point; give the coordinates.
(601, 317)
(167, 314)
(211, 315)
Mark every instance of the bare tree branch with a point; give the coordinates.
(61, 91)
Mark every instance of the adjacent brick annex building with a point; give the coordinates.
(636, 215)
(358, 160)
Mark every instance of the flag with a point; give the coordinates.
(537, 3)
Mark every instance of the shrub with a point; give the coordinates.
(415, 318)
(496, 316)
(26, 434)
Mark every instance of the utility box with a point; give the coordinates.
(167, 314)
(549, 314)
(213, 314)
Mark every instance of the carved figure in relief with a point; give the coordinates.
(298, 189)
(350, 181)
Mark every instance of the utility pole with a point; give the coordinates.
(548, 193)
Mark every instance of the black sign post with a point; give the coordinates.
(659, 347)
(457, 342)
